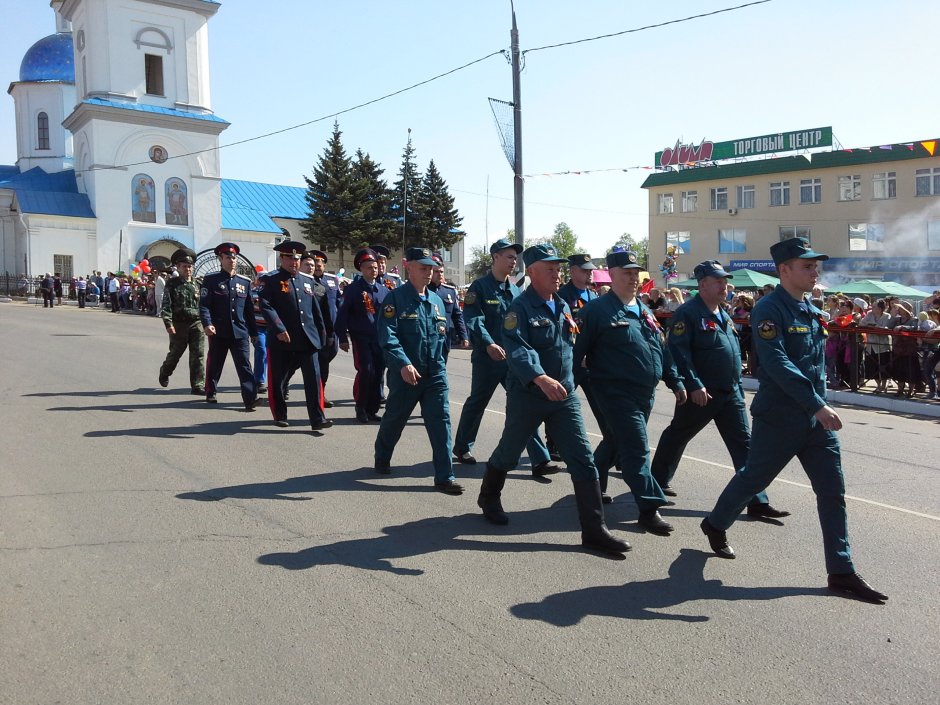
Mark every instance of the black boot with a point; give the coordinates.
(594, 533)
(490, 489)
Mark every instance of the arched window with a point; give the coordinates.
(142, 199)
(177, 206)
(42, 131)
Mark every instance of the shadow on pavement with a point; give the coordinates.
(640, 600)
(430, 536)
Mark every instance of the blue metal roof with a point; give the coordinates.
(48, 194)
(142, 108)
(236, 216)
(276, 201)
(50, 59)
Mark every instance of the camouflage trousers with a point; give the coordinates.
(187, 335)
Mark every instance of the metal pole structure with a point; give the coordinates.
(518, 184)
(404, 209)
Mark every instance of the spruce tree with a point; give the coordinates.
(374, 222)
(441, 220)
(330, 199)
(409, 176)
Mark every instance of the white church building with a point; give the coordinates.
(117, 155)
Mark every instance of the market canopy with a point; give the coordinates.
(875, 287)
(743, 280)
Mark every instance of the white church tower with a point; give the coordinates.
(144, 138)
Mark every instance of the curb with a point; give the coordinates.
(869, 401)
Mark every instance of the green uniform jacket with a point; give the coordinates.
(538, 342)
(705, 347)
(791, 342)
(484, 307)
(180, 303)
(620, 347)
(412, 331)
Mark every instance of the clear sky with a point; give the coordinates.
(865, 67)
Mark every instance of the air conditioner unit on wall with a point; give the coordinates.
(732, 211)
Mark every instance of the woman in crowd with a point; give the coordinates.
(878, 347)
(674, 299)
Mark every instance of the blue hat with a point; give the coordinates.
(710, 268)
(227, 248)
(541, 253)
(794, 248)
(421, 255)
(291, 248)
(582, 260)
(623, 260)
(504, 244)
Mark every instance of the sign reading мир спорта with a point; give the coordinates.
(747, 147)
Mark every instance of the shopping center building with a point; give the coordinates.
(875, 210)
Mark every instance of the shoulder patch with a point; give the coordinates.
(678, 328)
(510, 321)
(470, 297)
(767, 330)
(388, 311)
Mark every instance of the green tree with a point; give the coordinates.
(372, 216)
(330, 199)
(407, 190)
(562, 239)
(441, 220)
(479, 263)
(638, 247)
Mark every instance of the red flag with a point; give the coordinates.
(647, 287)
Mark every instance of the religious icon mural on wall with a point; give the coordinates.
(143, 203)
(177, 208)
(158, 154)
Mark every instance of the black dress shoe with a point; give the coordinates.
(544, 468)
(164, 381)
(465, 458)
(653, 522)
(326, 423)
(606, 498)
(282, 423)
(374, 417)
(361, 416)
(766, 511)
(262, 389)
(449, 487)
(717, 539)
(250, 406)
(854, 585)
(327, 404)
(211, 399)
(383, 467)
(668, 491)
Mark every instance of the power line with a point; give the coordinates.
(316, 120)
(649, 26)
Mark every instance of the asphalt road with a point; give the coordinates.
(155, 549)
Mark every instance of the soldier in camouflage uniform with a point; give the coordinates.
(180, 314)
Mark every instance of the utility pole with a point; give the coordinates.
(518, 184)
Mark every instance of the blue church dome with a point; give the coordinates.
(50, 59)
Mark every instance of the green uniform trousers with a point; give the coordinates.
(187, 335)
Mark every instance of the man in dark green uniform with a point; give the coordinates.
(704, 345)
(577, 293)
(485, 305)
(792, 418)
(412, 329)
(622, 346)
(180, 313)
(538, 333)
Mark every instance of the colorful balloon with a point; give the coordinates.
(259, 268)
